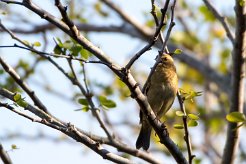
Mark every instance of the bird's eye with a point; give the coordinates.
(165, 59)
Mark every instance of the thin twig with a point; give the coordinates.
(186, 136)
(221, 19)
(6, 105)
(85, 79)
(163, 46)
(127, 18)
(46, 55)
(22, 84)
(69, 130)
(153, 40)
(88, 96)
(170, 27)
(70, 24)
(154, 14)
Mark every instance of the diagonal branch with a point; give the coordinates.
(221, 19)
(70, 130)
(4, 156)
(23, 85)
(139, 27)
(154, 38)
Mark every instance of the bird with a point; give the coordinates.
(161, 91)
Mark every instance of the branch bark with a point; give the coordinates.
(237, 82)
(4, 156)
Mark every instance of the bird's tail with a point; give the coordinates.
(144, 137)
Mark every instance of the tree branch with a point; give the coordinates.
(4, 156)
(154, 38)
(237, 82)
(221, 19)
(186, 136)
(22, 84)
(68, 129)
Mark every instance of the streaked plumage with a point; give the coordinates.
(161, 92)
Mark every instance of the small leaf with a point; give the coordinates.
(235, 117)
(37, 44)
(67, 44)
(83, 102)
(193, 116)
(84, 54)
(17, 97)
(59, 41)
(192, 123)
(75, 50)
(85, 109)
(177, 51)
(22, 103)
(13, 146)
(106, 102)
(178, 126)
(242, 2)
(57, 49)
(179, 113)
(1, 71)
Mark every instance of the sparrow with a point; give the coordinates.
(161, 92)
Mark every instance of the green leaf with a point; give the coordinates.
(85, 109)
(1, 71)
(37, 44)
(75, 50)
(235, 117)
(84, 54)
(177, 51)
(206, 13)
(59, 41)
(57, 49)
(179, 113)
(192, 123)
(17, 97)
(106, 102)
(178, 126)
(242, 2)
(22, 103)
(13, 146)
(193, 116)
(83, 102)
(67, 44)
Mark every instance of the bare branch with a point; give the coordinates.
(22, 84)
(4, 156)
(70, 130)
(170, 27)
(221, 19)
(154, 39)
(139, 27)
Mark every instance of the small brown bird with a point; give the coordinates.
(161, 92)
